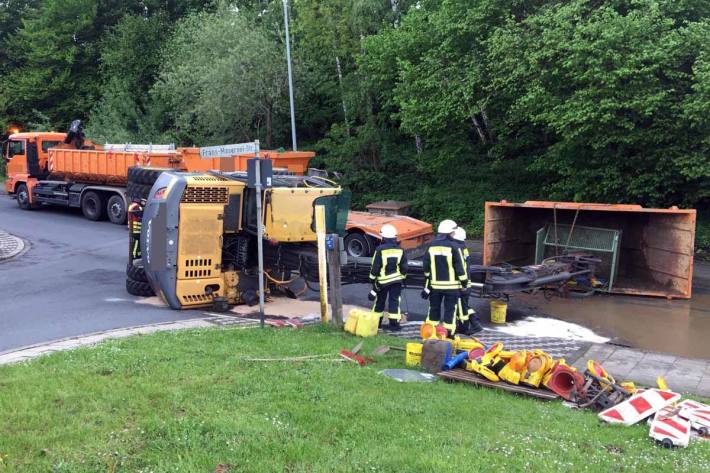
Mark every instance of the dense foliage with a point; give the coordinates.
(446, 103)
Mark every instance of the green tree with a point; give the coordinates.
(608, 88)
(234, 92)
(130, 58)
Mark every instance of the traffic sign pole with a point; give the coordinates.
(259, 234)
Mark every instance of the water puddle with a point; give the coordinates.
(677, 327)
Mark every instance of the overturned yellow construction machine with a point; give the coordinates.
(198, 237)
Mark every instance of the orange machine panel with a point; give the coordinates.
(411, 232)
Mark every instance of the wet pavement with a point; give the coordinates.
(683, 375)
(678, 327)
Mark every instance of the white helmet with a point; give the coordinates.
(388, 231)
(460, 234)
(446, 226)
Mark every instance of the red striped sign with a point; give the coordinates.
(639, 406)
(670, 428)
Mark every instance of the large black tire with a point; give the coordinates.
(136, 272)
(147, 176)
(116, 209)
(137, 191)
(23, 197)
(93, 205)
(139, 288)
(358, 245)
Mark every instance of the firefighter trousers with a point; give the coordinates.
(389, 295)
(449, 298)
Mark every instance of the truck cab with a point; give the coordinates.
(26, 157)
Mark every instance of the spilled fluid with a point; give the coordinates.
(669, 326)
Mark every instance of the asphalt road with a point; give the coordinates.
(72, 281)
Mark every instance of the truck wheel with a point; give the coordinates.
(135, 272)
(93, 205)
(23, 197)
(139, 288)
(357, 245)
(116, 210)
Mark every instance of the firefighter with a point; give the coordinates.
(466, 322)
(445, 277)
(387, 274)
(135, 216)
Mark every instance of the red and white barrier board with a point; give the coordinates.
(672, 431)
(639, 406)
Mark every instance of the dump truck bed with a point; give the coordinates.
(656, 245)
(104, 167)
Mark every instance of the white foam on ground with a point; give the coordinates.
(554, 328)
(154, 301)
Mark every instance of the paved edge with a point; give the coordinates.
(30, 352)
(21, 246)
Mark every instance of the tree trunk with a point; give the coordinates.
(269, 128)
(342, 94)
(418, 143)
(487, 124)
(395, 9)
(479, 129)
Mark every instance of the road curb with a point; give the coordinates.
(29, 352)
(10, 245)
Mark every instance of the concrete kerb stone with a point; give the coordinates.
(11, 246)
(34, 351)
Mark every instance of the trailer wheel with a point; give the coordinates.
(136, 272)
(704, 431)
(139, 288)
(146, 176)
(93, 205)
(357, 245)
(137, 191)
(23, 197)
(667, 443)
(116, 209)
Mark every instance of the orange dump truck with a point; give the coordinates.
(44, 170)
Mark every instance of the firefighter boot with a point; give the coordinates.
(394, 325)
(474, 325)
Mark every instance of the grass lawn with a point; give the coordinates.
(189, 401)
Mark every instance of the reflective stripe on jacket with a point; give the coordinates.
(389, 263)
(443, 265)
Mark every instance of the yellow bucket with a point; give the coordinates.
(498, 311)
(414, 354)
(351, 321)
(367, 323)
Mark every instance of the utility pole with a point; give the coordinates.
(290, 78)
